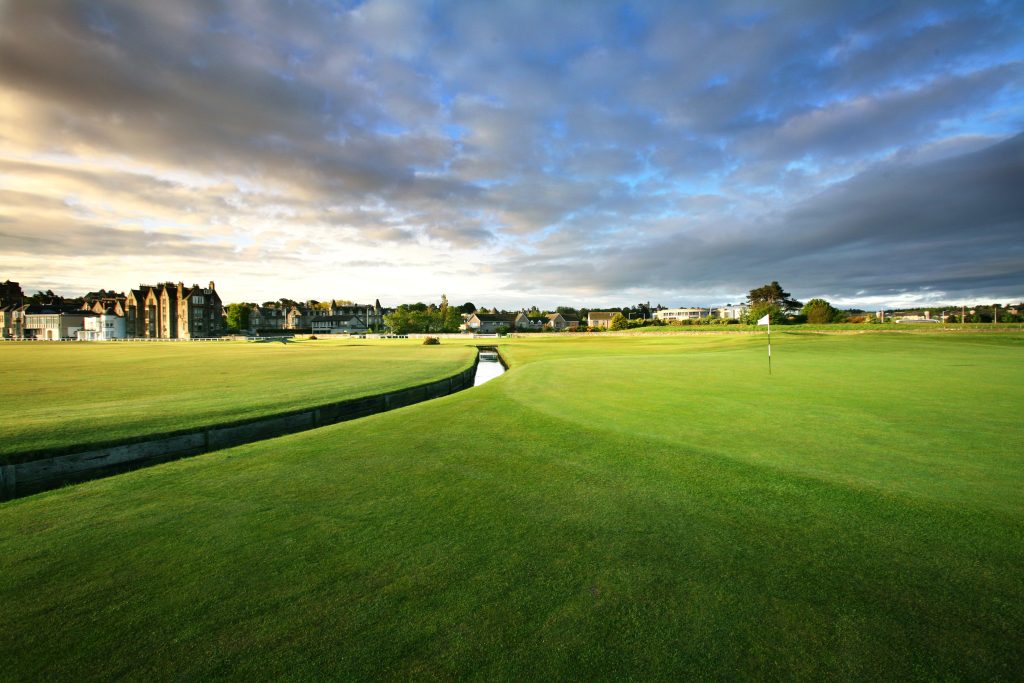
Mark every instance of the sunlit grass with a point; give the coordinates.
(610, 508)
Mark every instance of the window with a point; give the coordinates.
(197, 299)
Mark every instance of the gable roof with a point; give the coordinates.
(602, 315)
(493, 317)
(168, 288)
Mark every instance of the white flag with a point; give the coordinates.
(764, 320)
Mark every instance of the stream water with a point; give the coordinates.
(488, 368)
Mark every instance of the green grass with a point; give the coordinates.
(927, 328)
(653, 507)
(61, 397)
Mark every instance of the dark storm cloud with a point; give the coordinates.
(587, 148)
(952, 225)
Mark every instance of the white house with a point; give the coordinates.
(673, 314)
(49, 322)
(731, 312)
(103, 327)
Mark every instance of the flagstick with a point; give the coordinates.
(769, 347)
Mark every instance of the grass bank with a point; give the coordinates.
(63, 397)
(611, 508)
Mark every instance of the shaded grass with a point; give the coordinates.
(61, 397)
(610, 509)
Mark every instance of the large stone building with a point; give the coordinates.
(173, 311)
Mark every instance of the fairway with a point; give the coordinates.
(65, 397)
(650, 507)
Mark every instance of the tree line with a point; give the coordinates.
(420, 317)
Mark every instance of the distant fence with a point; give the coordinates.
(24, 478)
(127, 339)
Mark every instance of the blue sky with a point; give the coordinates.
(516, 153)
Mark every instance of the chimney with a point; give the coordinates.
(211, 285)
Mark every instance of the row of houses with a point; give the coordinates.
(55, 321)
(164, 311)
(332, 318)
(491, 323)
(169, 310)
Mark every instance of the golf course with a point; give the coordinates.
(648, 507)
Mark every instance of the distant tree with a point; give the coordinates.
(238, 316)
(757, 311)
(41, 297)
(819, 311)
(452, 320)
(619, 322)
(420, 317)
(773, 294)
(398, 321)
(468, 307)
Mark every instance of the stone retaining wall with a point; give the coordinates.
(25, 478)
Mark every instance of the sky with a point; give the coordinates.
(516, 153)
